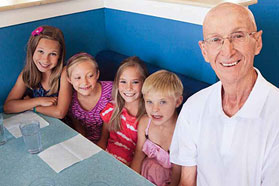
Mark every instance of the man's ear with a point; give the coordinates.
(179, 101)
(203, 51)
(259, 42)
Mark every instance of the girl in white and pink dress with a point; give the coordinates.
(162, 92)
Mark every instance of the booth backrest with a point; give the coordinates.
(109, 61)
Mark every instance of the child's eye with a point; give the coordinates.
(53, 54)
(122, 81)
(76, 78)
(148, 102)
(163, 102)
(91, 75)
(135, 82)
(40, 51)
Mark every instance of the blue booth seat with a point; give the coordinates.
(109, 61)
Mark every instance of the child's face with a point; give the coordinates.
(129, 85)
(46, 55)
(83, 77)
(160, 107)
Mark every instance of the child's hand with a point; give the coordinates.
(48, 101)
(26, 97)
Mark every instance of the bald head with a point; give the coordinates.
(227, 9)
(231, 41)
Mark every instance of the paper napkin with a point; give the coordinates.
(69, 152)
(12, 123)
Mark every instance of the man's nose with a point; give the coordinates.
(227, 48)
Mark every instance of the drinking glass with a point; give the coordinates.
(2, 133)
(30, 131)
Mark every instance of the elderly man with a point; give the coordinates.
(228, 134)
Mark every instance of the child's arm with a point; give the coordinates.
(14, 102)
(139, 155)
(104, 137)
(64, 99)
(188, 176)
(175, 176)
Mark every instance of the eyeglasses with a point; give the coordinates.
(235, 38)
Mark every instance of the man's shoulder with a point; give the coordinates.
(273, 90)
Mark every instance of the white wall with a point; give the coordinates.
(23, 15)
(175, 11)
(165, 9)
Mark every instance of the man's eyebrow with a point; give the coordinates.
(234, 30)
(240, 29)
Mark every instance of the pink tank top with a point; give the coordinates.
(155, 151)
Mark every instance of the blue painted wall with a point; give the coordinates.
(166, 43)
(82, 31)
(266, 13)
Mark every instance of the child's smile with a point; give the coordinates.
(156, 117)
(86, 87)
(129, 94)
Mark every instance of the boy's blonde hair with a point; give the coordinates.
(31, 75)
(165, 82)
(79, 58)
(119, 102)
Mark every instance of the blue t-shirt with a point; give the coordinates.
(40, 92)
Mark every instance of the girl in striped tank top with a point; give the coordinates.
(119, 133)
(89, 98)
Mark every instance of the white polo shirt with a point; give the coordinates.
(239, 151)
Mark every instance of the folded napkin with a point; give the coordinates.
(69, 152)
(12, 123)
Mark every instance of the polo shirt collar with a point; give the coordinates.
(254, 104)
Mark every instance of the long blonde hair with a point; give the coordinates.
(119, 102)
(31, 75)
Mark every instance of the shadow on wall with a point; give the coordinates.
(266, 14)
